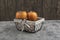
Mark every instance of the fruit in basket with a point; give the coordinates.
(17, 15)
(21, 15)
(32, 16)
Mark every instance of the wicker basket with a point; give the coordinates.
(29, 26)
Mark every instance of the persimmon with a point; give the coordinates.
(32, 16)
(21, 15)
(17, 15)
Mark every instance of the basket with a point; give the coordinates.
(29, 26)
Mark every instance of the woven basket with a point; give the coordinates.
(29, 26)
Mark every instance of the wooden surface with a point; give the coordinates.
(49, 9)
(50, 31)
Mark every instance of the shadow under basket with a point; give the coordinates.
(29, 26)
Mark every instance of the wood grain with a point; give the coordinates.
(49, 9)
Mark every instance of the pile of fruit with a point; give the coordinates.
(32, 16)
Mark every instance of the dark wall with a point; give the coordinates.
(49, 9)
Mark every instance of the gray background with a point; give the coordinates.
(49, 31)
